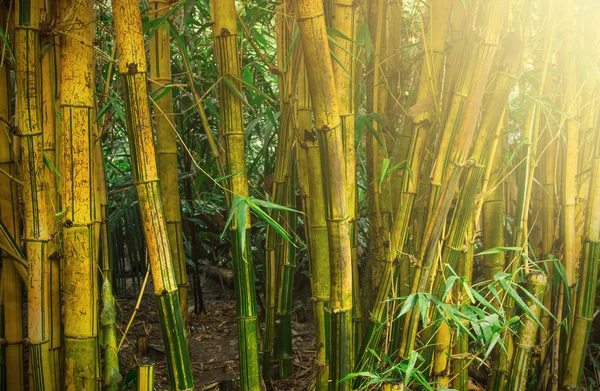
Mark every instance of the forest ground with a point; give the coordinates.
(213, 340)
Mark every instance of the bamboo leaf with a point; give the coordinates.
(412, 360)
(48, 163)
(238, 94)
(497, 250)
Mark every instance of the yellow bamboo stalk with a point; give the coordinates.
(133, 68)
(323, 92)
(569, 194)
(166, 148)
(10, 217)
(80, 287)
(49, 91)
(38, 217)
(491, 22)
(318, 242)
(376, 146)
(344, 21)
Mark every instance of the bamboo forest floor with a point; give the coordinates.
(213, 340)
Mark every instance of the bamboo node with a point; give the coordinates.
(132, 68)
(325, 128)
(68, 223)
(225, 32)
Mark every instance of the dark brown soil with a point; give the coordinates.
(213, 341)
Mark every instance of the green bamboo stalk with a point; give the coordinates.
(275, 247)
(460, 350)
(285, 300)
(133, 68)
(111, 377)
(526, 336)
(226, 54)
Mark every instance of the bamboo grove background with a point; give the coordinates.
(429, 169)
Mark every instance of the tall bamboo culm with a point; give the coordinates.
(275, 247)
(321, 80)
(166, 148)
(10, 215)
(225, 36)
(80, 286)
(318, 240)
(584, 308)
(38, 216)
(133, 70)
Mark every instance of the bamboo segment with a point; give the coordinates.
(38, 216)
(460, 350)
(132, 68)
(145, 378)
(526, 337)
(111, 377)
(323, 92)
(166, 148)
(227, 58)
(12, 323)
(584, 308)
(318, 243)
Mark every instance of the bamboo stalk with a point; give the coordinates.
(344, 21)
(38, 218)
(275, 248)
(526, 336)
(80, 315)
(376, 147)
(584, 308)
(491, 21)
(50, 80)
(318, 242)
(12, 322)
(133, 68)
(145, 378)
(111, 377)
(166, 148)
(226, 54)
(321, 80)
(288, 269)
